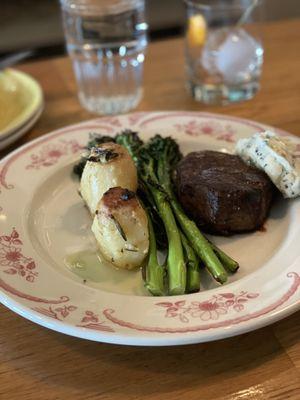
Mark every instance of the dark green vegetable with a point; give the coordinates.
(132, 142)
(154, 272)
(169, 226)
(167, 154)
(192, 266)
(229, 264)
(147, 172)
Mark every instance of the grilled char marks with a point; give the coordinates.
(117, 197)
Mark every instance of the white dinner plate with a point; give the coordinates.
(43, 222)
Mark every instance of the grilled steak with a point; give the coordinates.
(221, 193)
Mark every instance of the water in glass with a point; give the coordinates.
(106, 40)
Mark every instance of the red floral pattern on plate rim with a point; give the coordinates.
(11, 158)
(138, 119)
(110, 315)
(208, 128)
(9, 289)
(210, 309)
(52, 152)
(58, 313)
(195, 115)
(12, 259)
(62, 312)
(90, 320)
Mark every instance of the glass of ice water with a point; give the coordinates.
(224, 52)
(106, 40)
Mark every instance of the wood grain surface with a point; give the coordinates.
(36, 363)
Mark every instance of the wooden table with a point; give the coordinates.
(40, 364)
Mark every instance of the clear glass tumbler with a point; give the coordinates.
(224, 52)
(106, 40)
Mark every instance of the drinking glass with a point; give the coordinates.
(106, 40)
(224, 52)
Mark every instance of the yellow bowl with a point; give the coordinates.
(20, 98)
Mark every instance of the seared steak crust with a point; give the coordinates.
(223, 194)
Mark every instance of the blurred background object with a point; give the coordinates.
(223, 48)
(21, 104)
(106, 40)
(37, 23)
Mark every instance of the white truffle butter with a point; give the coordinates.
(276, 157)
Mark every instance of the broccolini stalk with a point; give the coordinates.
(230, 264)
(154, 280)
(132, 142)
(168, 155)
(200, 244)
(175, 260)
(148, 175)
(159, 230)
(192, 267)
